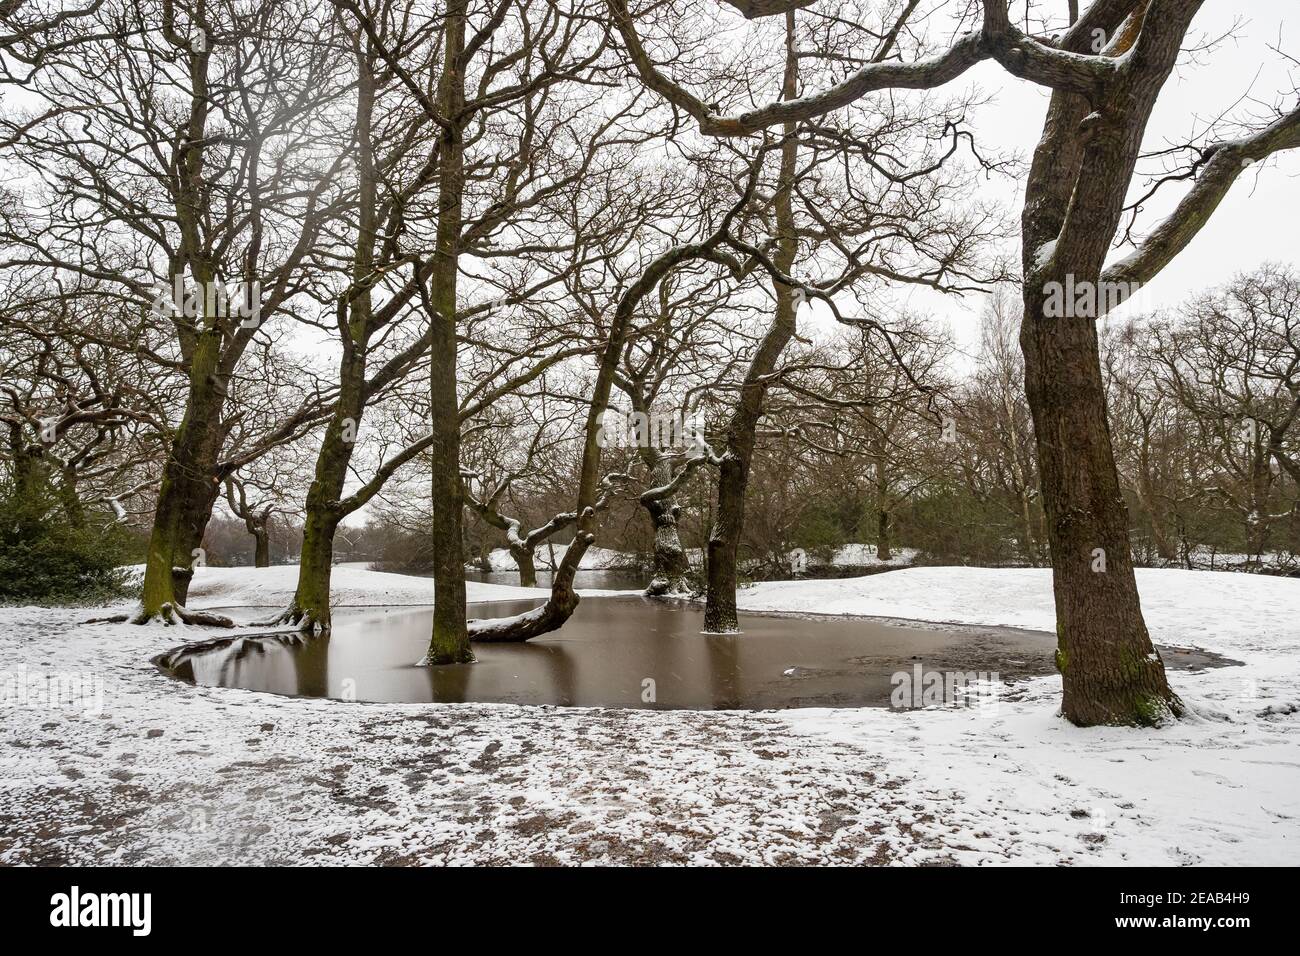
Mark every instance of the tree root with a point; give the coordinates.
(306, 622)
(663, 586)
(111, 619)
(169, 614)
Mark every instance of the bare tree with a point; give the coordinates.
(1102, 97)
(164, 169)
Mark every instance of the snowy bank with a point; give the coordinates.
(157, 771)
(1019, 784)
(349, 587)
(1222, 612)
(595, 559)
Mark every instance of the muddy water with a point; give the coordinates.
(607, 652)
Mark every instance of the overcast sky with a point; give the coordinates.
(1240, 77)
(1259, 220)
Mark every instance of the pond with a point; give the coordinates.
(609, 650)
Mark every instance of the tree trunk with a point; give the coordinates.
(190, 482)
(71, 497)
(310, 610)
(261, 545)
(1020, 472)
(1165, 547)
(1074, 201)
(527, 567)
(197, 512)
(733, 473)
(882, 502)
(449, 643)
(29, 470)
(1258, 522)
(189, 485)
(672, 569)
(1110, 671)
(724, 536)
(1167, 550)
(1027, 526)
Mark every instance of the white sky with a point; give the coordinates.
(1256, 222)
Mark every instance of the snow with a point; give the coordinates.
(1220, 788)
(596, 559)
(1222, 612)
(163, 772)
(350, 586)
(867, 556)
(1043, 254)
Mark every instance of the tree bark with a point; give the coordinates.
(1074, 199)
(449, 643)
(1165, 547)
(527, 566)
(71, 498)
(733, 471)
(262, 544)
(310, 609)
(882, 501)
(1110, 671)
(189, 484)
(672, 568)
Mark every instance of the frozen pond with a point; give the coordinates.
(622, 652)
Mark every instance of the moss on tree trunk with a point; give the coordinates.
(189, 484)
(1110, 671)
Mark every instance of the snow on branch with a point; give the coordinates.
(1226, 161)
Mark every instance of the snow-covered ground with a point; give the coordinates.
(1020, 784)
(867, 556)
(350, 586)
(604, 559)
(596, 559)
(146, 769)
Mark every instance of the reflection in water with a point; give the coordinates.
(724, 670)
(609, 653)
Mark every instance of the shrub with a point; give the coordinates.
(44, 557)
